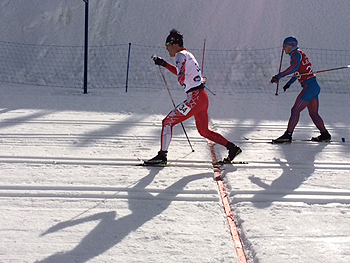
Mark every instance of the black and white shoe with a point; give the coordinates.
(285, 138)
(233, 151)
(324, 137)
(159, 160)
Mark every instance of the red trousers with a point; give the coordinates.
(195, 105)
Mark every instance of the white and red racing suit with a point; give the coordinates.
(190, 78)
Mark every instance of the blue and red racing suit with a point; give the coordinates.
(301, 67)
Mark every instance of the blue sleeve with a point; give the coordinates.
(295, 59)
(291, 81)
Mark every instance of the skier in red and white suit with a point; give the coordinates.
(190, 78)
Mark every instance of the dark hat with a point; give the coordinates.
(174, 37)
(291, 41)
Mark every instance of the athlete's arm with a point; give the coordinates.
(291, 81)
(171, 68)
(181, 68)
(294, 65)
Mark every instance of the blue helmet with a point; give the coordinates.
(291, 41)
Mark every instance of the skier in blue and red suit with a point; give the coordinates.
(301, 67)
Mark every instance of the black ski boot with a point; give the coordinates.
(285, 138)
(233, 151)
(159, 160)
(324, 137)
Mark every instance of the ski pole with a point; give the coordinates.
(204, 78)
(331, 69)
(279, 70)
(320, 71)
(172, 100)
(203, 55)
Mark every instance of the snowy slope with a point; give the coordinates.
(225, 24)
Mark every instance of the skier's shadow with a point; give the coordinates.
(110, 231)
(295, 172)
(19, 120)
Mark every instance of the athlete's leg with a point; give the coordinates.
(202, 122)
(308, 97)
(188, 108)
(298, 107)
(173, 118)
(202, 127)
(316, 118)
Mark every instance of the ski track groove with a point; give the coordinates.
(104, 140)
(56, 160)
(74, 139)
(100, 192)
(304, 197)
(158, 123)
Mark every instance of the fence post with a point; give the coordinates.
(127, 70)
(86, 44)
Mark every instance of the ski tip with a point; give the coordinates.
(151, 165)
(274, 142)
(240, 162)
(219, 163)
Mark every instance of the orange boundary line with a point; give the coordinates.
(226, 203)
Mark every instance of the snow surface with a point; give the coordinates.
(70, 191)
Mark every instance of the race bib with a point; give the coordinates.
(183, 109)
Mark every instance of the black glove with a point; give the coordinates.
(160, 61)
(274, 79)
(285, 87)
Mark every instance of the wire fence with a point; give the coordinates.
(227, 71)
